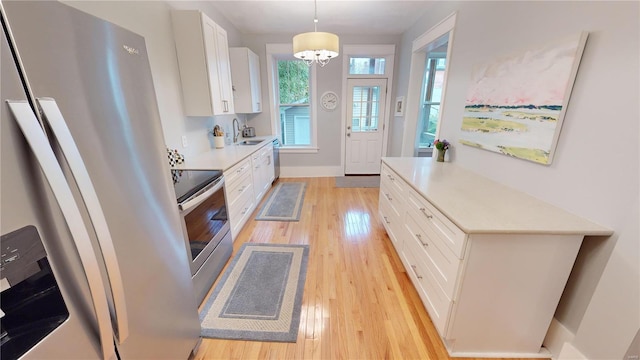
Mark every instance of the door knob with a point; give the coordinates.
(349, 127)
(349, 134)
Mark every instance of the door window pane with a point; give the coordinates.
(366, 105)
(366, 66)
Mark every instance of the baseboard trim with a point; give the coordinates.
(543, 353)
(310, 171)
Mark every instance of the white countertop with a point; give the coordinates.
(479, 205)
(223, 159)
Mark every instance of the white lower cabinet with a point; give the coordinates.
(490, 292)
(263, 171)
(239, 194)
(246, 184)
(391, 205)
(437, 303)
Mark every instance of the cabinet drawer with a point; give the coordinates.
(238, 188)
(440, 260)
(237, 170)
(434, 299)
(240, 204)
(241, 210)
(438, 224)
(391, 180)
(266, 150)
(391, 223)
(392, 199)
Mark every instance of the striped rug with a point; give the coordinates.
(284, 203)
(259, 297)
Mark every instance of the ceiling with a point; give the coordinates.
(371, 17)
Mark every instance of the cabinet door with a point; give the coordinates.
(203, 59)
(224, 71)
(258, 175)
(211, 50)
(254, 76)
(269, 169)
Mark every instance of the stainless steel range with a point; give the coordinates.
(205, 223)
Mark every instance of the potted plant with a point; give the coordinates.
(442, 146)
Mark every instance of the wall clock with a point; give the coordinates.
(329, 100)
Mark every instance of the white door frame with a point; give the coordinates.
(421, 46)
(388, 52)
(365, 135)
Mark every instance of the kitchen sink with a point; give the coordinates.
(250, 142)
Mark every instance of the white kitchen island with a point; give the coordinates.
(489, 262)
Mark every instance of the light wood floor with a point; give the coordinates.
(358, 301)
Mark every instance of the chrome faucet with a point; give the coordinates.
(233, 125)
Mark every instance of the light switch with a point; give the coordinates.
(184, 141)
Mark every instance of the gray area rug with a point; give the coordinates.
(359, 181)
(259, 297)
(284, 203)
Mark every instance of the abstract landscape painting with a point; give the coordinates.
(515, 105)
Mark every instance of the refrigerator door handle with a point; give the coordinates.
(54, 117)
(43, 153)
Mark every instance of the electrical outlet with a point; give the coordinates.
(184, 141)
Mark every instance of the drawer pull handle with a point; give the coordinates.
(386, 220)
(421, 242)
(388, 197)
(242, 189)
(413, 267)
(424, 211)
(245, 211)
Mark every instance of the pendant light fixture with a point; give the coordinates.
(316, 46)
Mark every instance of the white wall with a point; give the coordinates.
(152, 20)
(588, 177)
(329, 122)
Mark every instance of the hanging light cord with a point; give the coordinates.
(315, 16)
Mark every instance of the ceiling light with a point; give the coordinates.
(316, 46)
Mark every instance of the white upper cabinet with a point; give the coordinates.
(203, 59)
(245, 75)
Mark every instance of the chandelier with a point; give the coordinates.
(319, 47)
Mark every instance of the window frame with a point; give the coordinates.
(427, 92)
(422, 44)
(277, 52)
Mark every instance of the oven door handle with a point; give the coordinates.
(197, 199)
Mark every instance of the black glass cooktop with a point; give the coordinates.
(189, 182)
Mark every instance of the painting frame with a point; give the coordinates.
(516, 104)
(399, 106)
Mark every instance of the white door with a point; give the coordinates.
(365, 118)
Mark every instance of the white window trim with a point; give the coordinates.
(276, 52)
(418, 147)
(420, 47)
(388, 51)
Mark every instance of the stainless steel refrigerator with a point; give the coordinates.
(93, 257)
